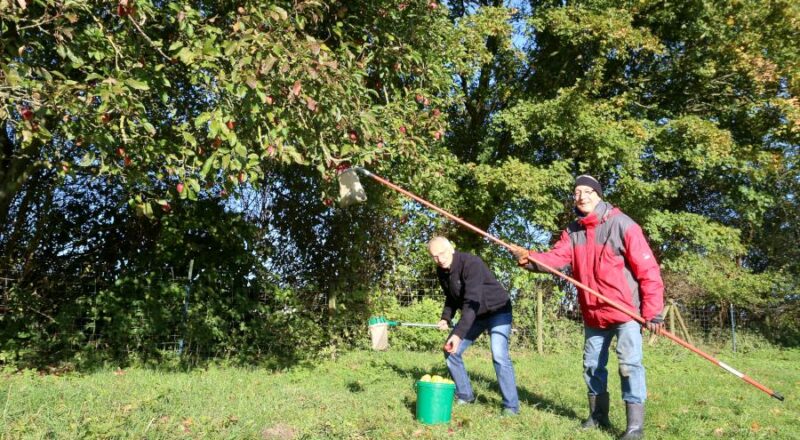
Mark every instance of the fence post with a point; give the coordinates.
(539, 322)
(672, 316)
(733, 327)
(186, 306)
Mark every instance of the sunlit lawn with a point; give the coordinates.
(367, 394)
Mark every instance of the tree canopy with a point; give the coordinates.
(140, 135)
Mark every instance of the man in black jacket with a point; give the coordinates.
(471, 288)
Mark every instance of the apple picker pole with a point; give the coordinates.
(351, 191)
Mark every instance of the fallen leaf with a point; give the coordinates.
(296, 88)
(311, 103)
(719, 432)
(755, 427)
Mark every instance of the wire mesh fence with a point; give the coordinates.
(704, 323)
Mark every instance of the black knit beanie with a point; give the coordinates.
(591, 182)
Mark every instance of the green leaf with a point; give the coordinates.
(208, 164)
(186, 55)
(136, 84)
(202, 119)
(148, 127)
(278, 13)
(87, 159)
(188, 137)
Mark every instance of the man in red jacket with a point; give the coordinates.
(608, 252)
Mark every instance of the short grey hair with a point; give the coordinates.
(440, 240)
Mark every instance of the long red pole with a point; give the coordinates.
(586, 288)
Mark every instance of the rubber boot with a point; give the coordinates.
(598, 412)
(635, 429)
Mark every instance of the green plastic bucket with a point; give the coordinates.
(434, 402)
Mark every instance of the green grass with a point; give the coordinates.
(370, 395)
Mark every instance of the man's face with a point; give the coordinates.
(442, 254)
(586, 199)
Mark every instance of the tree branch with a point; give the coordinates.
(158, 49)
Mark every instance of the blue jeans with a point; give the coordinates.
(499, 326)
(629, 353)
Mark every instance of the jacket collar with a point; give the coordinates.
(455, 265)
(600, 214)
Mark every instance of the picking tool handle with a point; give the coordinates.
(635, 316)
(417, 324)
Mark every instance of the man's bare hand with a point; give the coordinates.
(451, 346)
(521, 254)
(655, 325)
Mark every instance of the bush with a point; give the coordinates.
(425, 310)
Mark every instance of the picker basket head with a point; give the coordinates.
(350, 189)
(379, 331)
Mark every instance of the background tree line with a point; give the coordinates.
(141, 135)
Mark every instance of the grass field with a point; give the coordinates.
(371, 395)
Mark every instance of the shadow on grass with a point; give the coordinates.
(531, 399)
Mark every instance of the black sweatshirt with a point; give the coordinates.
(471, 287)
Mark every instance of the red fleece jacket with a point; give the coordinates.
(609, 253)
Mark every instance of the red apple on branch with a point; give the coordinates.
(27, 114)
(342, 167)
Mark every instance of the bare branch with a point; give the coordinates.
(158, 49)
